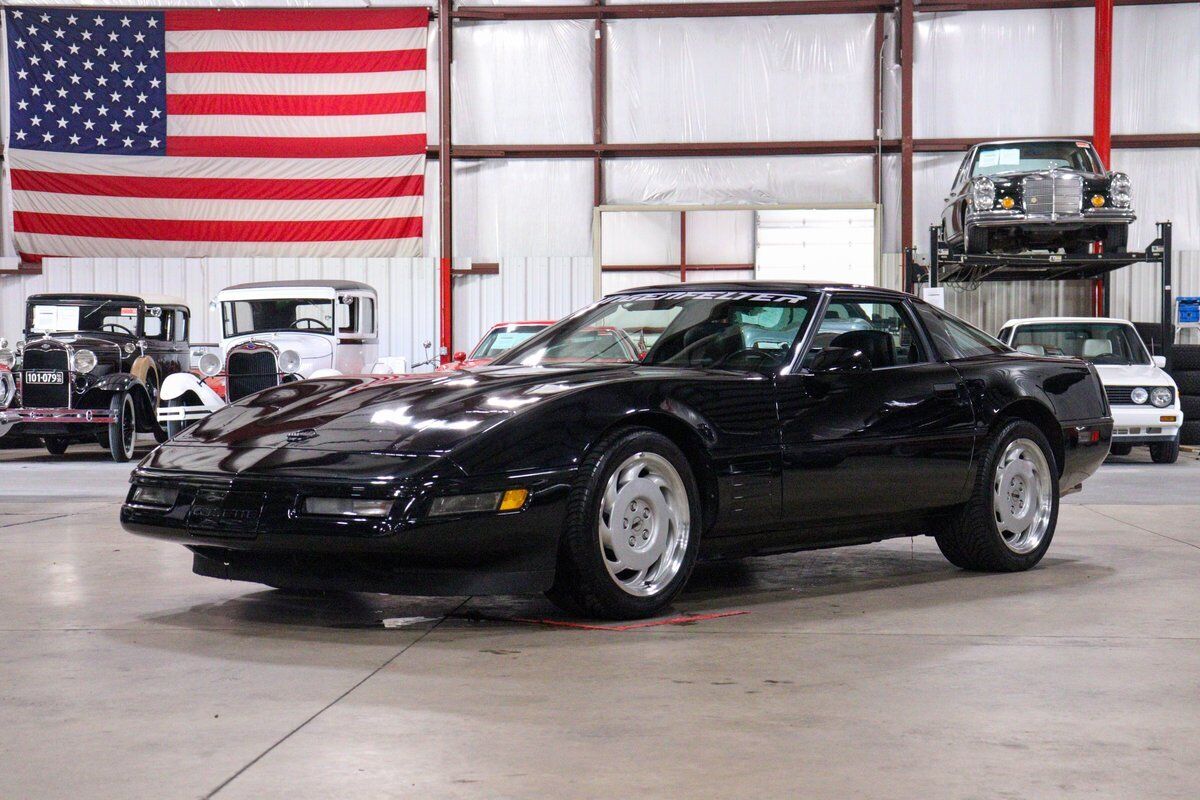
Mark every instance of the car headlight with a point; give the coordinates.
(209, 364)
(346, 507)
(511, 500)
(983, 193)
(7, 358)
(1139, 395)
(1161, 396)
(83, 361)
(289, 362)
(1120, 189)
(154, 496)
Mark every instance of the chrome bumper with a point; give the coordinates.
(1002, 218)
(84, 416)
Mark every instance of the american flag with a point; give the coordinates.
(289, 132)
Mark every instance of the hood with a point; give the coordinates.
(1133, 375)
(428, 413)
(108, 350)
(315, 349)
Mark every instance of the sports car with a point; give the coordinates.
(763, 418)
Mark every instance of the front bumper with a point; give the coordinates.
(40, 420)
(254, 529)
(1000, 218)
(1145, 424)
(182, 413)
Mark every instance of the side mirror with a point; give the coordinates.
(460, 356)
(1159, 361)
(840, 360)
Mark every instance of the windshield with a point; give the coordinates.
(499, 340)
(729, 330)
(1098, 342)
(89, 316)
(1034, 156)
(260, 316)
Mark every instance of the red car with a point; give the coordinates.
(501, 337)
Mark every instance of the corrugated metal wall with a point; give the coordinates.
(407, 287)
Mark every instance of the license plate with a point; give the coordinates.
(43, 377)
(227, 512)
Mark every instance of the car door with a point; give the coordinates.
(859, 444)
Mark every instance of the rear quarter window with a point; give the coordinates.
(956, 339)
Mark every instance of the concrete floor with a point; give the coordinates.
(869, 672)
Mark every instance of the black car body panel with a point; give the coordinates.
(785, 459)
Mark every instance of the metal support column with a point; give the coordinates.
(1168, 335)
(1102, 118)
(935, 236)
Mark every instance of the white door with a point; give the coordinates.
(835, 245)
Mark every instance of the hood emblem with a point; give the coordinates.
(302, 435)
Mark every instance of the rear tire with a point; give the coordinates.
(1120, 450)
(1009, 520)
(632, 530)
(122, 431)
(56, 445)
(1165, 452)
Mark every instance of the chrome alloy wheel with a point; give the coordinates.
(645, 521)
(1022, 496)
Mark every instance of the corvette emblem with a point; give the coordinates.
(302, 435)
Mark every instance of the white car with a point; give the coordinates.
(1143, 397)
(278, 332)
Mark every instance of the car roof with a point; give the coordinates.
(1040, 320)
(339, 286)
(145, 299)
(523, 322)
(1034, 139)
(779, 287)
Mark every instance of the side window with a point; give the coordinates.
(181, 325)
(881, 329)
(367, 312)
(347, 314)
(1003, 335)
(154, 327)
(955, 338)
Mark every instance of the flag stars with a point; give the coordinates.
(127, 52)
(22, 104)
(128, 112)
(74, 48)
(48, 76)
(98, 20)
(49, 107)
(124, 22)
(154, 142)
(141, 67)
(62, 123)
(36, 91)
(59, 33)
(141, 128)
(88, 94)
(153, 52)
(32, 30)
(35, 60)
(114, 66)
(101, 51)
(45, 18)
(154, 83)
(74, 138)
(48, 137)
(21, 136)
(141, 97)
(35, 120)
(116, 97)
(116, 126)
(88, 64)
(102, 81)
(20, 43)
(60, 63)
(71, 20)
(102, 111)
(155, 113)
(128, 83)
(139, 37)
(86, 36)
(152, 22)
(47, 46)
(101, 141)
(88, 124)
(75, 79)
(128, 142)
(61, 92)
(76, 108)
(22, 74)
(113, 36)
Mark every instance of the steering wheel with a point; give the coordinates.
(753, 352)
(316, 323)
(118, 328)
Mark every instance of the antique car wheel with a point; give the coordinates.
(1008, 523)
(175, 428)
(56, 445)
(1117, 238)
(122, 431)
(632, 530)
(1165, 452)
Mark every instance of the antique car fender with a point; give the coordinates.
(181, 383)
(325, 373)
(128, 382)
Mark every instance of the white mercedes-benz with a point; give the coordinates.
(273, 333)
(1143, 397)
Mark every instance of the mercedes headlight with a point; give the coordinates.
(983, 193)
(83, 361)
(209, 364)
(1139, 396)
(289, 362)
(1120, 190)
(1161, 396)
(7, 358)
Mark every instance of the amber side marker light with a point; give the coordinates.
(1007, 203)
(513, 499)
(1097, 200)
(1170, 418)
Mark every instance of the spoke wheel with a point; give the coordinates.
(122, 431)
(644, 524)
(1022, 496)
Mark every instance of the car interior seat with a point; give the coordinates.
(1032, 349)
(877, 345)
(1097, 347)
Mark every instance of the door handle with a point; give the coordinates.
(947, 389)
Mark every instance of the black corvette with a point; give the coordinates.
(757, 418)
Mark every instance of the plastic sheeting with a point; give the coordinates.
(522, 207)
(741, 179)
(1166, 186)
(523, 82)
(524, 289)
(1156, 69)
(741, 79)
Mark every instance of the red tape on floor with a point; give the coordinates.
(681, 620)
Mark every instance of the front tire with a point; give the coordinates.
(175, 428)
(1116, 239)
(1165, 452)
(122, 431)
(975, 241)
(1120, 449)
(632, 530)
(1009, 520)
(56, 445)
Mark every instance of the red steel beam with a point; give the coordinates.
(445, 179)
(1102, 82)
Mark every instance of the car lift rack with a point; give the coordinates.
(945, 267)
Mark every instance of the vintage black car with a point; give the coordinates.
(1037, 194)
(91, 366)
(756, 418)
